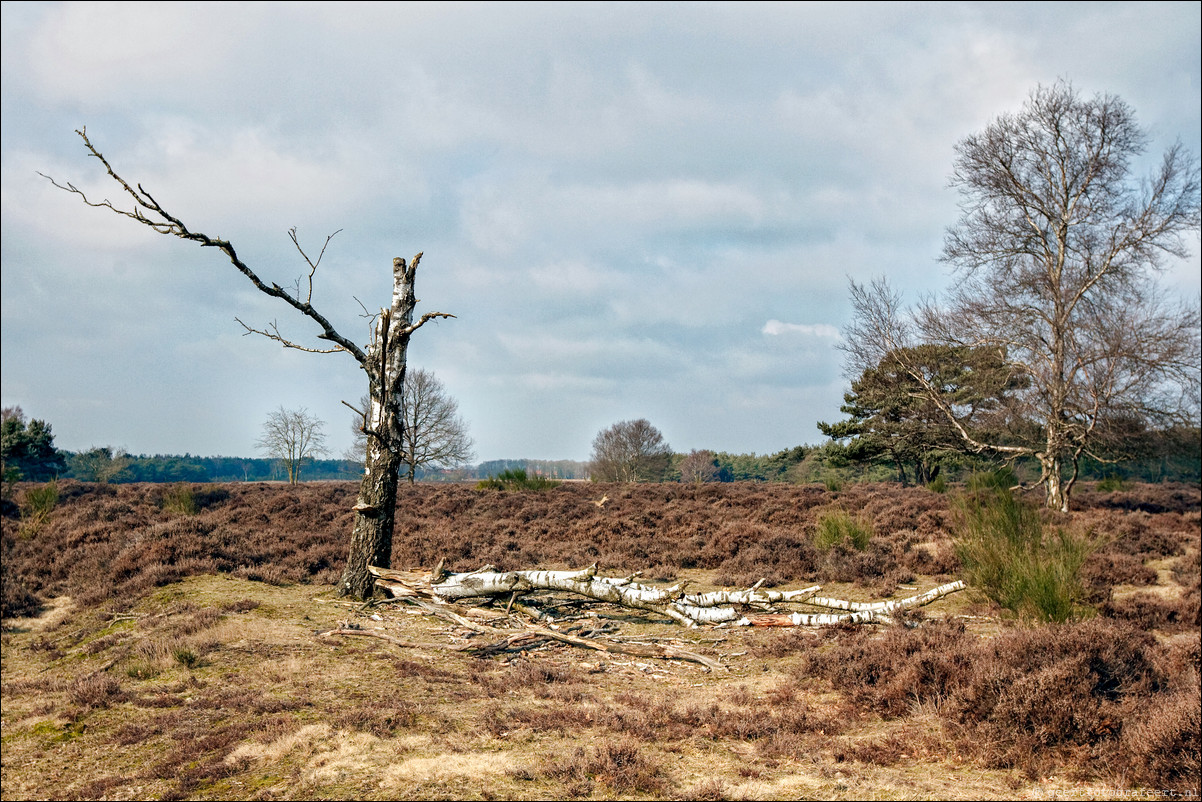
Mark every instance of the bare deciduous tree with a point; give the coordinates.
(101, 464)
(383, 361)
(292, 436)
(1056, 255)
(698, 467)
(630, 451)
(434, 434)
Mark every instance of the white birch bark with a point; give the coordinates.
(688, 609)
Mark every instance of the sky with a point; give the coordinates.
(633, 210)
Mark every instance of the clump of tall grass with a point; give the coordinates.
(836, 527)
(516, 479)
(1013, 559)
(39, 502)
(180, 500)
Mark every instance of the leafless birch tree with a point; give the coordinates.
(630, 451)
(383, 360)
(698, 467)
(434, 434)
(292, 436)
(1056, 255)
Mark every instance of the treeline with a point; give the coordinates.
(1177, 458)
(103, 465)
(546, 468)
(1173, 455)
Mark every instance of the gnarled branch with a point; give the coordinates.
(151, 213)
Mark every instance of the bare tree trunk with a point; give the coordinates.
(688, 609)
(371, 539)
(1058, 489)
(375, 509)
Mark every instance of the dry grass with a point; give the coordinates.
(97, 701)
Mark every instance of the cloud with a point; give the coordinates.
(775, 328)
(612, 208)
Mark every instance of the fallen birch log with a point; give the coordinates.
(863, 611)
(717, 607)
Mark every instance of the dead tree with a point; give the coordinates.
(383, 361)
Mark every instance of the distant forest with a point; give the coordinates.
(1176, 459)
(101, 464)
(1169, 455)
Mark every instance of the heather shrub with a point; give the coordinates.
(1150, 611)
(1039, 694)
(1103, 569)
(619, 765)
(15, 598)
(891, 672)
(1187, 569)
(96, 690)
(1099, 694)
(1163, 743)
(1008, 556)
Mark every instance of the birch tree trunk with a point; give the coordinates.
(375, 508)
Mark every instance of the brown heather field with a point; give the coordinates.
(175, 654)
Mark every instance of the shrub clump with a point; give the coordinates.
(839, 527)
(15, 598)
(180, 500)
(1099, 694)
(40, 501)
(619, 765)
(1009, 556)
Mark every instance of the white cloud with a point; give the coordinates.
(775, 328)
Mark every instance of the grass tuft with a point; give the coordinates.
(39, 502)
(1010, 557)
(186, 657)
(180, 500)
(835, 527)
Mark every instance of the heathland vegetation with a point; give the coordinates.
(176, 656)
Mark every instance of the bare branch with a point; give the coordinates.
(275, 335)
(424, 319)
(151, 213)
(312, 264)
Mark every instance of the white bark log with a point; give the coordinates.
(863, 611)
(688, 609)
